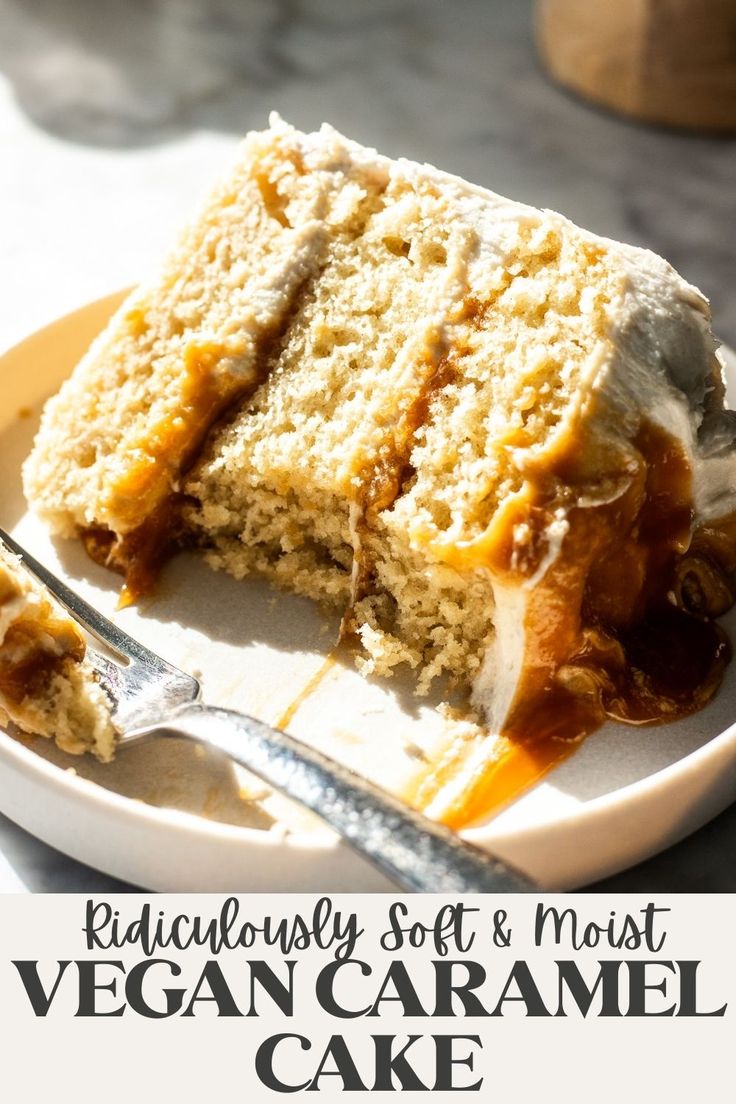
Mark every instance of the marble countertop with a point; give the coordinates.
(114, 117)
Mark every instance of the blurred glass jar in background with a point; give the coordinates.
(671, 62)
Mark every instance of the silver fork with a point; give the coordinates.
(152, 698)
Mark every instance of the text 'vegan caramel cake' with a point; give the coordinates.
(496, 442)
(47, 686)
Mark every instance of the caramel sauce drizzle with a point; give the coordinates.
(604, 622)
(285, 718)
(620, 626)
(513, 767)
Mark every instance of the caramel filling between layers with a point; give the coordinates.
(149, 487)
(382, 485)
(620, 625)
(383, 481)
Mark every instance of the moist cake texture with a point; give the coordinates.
(496, 442)
(47, 686)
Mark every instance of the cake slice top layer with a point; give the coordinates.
(47, 686)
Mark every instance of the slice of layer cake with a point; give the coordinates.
(47, 686)
(185, 350)
(496, 442)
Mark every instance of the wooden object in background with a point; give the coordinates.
(661, 61)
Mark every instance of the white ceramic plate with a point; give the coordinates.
(167, 817)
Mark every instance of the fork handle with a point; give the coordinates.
(415, 852)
